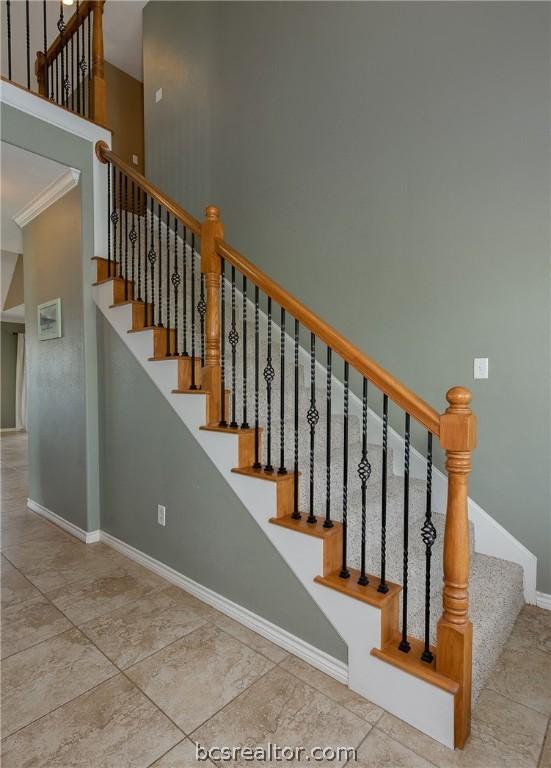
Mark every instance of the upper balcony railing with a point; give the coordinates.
(68, 69)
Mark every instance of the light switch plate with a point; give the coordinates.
(161, 514)
(158, 95)
(481, 368)
(135, 159)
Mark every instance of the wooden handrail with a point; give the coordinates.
(385, 381)
(106, 155)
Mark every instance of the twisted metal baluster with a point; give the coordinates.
(28, 23)
(8, 31)
(61, 29)
(328, 523)
(233, 338)
(364, 472)
(152, 258)
(83, 66)
(108, 219)
(269, 374)
(45, 44)
(223, 421)
(139, 297)
(244, 423)
(126, 238)
(168, 351)
(146, 260)
(257, 464)
(114, 221)
(121, 238)
(345, 573)
(312, 417)
(404, 644)
(193, 383)
(176, 280)
(282, 469)
(160, 275)
(296, 514)
(184, 310)
(383, 586)
(78, 54)
(133, 236)
(428, 532)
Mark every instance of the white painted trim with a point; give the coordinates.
(32, 104)
(543, 601)
(11, 429)
(289, 642)
(88, 537)
(48, 196)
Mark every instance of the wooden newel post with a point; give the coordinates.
(455, 631)
(98, 102)
(212, 229)
(40, 72)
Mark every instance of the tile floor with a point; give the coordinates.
(106, 665)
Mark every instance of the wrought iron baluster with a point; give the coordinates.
(90, 75)
(345, 573)
(45, 45)
(383, 587)
(72, 76)
(28, 26)
(328, 523)
(201, 311)
(223, 422)
(176, 280)
(77, 35)
(404, 644)
(428, 532)
(114, 221)
(269, 375)
(121, 264)
(152, 258)
(83, 67)
(126, 238)
(364, 472)
(146, 259)
(244, 423)
(8, 32)
(257, 464)
(61, 28)
(282, 469)
(184, 311)
(233, 338)
(296, 514)
(193, 383)
(312, 417)
(160, 270)
(109, 219)
(56, 81)
(133, 237)
(168, 351)
(139, 214)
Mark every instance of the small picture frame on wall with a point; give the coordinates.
(49, 320)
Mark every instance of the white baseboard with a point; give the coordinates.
(11, 429)
(543, 601)
(88, 537)
(314, 656)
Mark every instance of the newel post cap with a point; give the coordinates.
(212, 212)
(458, 423)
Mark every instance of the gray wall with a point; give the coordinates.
(148, 457)
(56, 408)
(8, 366)
(389, 164)
(34, 135)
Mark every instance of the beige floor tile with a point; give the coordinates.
(195, 676)
(504, 734)
(135, 631)
(531, 631)
(87, 599)
(380, 751)
(333, 689)
(182, 756)
(29, 623)
(15, 588)
(524, 676)
(28, 527)
(545, 759)
(250, 638)
(50, 565)
(282, 710)
(112, 726)
(36, 681)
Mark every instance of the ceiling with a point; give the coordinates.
(24, 175)
(122, 30)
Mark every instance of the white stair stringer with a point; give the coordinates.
(423, 705)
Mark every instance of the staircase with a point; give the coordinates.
(318, 443)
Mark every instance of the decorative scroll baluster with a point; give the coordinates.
(201, 311)
(312, 418)
(168, 351)
(282, 469)
(404, 643)
(28, 26)
(244, 423)
(257, 464)
(223, 421)
(45, 45)
(120, 222)
(56, 81)
(61, 28)
(133, 236)
(109, 219)
(139, 296)
(184, 290)
(126, 238)
(114, 222)
(152, 258)
(233, 338)
(345, 573)
(160, 272)
(383, 587)
(8, 32)
(77, 35)
(193, 384)
(72, 76)
(328, 522)
(90, 107)
(176, 280)
(82, 65)
(146, 260)
(364, 472)
(428, 532)
(296, 513)
(269, 375)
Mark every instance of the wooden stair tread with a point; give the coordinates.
(152, 328)
(112, 278)
(367, 594)
(229, 430)
(185, 391)
(261, 474)
(310, 529)
(131, 301)
(411, 662)
(163, 357)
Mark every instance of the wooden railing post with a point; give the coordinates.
(40, 72)
(98, 101)
(455, 631)
(212, 229)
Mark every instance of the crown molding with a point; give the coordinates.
(51, 194)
